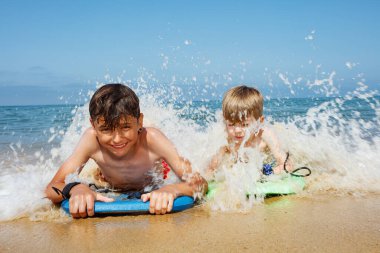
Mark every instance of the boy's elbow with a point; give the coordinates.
(50, 194)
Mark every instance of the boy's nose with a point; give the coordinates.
(116, 137)
(238, 129)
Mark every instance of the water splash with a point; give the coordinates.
(338, 138)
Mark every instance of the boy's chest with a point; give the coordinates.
(127, 173)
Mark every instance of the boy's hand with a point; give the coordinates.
(82, 201)
(161, 200)
(278, 169)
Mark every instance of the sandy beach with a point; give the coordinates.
(281, 224)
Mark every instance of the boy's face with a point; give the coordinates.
(237, 131)
(121, 140)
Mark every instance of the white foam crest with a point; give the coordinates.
(335, 167)
(236, 180)
(342, 153)
(80, 122)
(22, 193)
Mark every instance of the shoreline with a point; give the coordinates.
(288, 223)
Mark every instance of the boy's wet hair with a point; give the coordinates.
(241, 102)
(114, 102)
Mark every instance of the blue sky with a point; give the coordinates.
(49, 50)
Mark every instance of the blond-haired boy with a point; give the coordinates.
(243, 116)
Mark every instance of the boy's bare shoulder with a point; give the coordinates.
(89, 134)
(89, 141)
(267, 132)
(153, 133)
(156, 140)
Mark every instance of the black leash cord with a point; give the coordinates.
(308, 173)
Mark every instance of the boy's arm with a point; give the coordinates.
(58, 181)
(161, 200)
(83, 201)
(193, 182)
(76, 160)
(279, 154)
(215, 162)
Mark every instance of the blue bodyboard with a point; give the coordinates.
(124, 205)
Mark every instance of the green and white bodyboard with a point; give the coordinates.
(283, 186)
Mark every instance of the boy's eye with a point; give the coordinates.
(125, 127)
(245, 125)
(105, 130)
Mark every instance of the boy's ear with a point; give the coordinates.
(261, 119)
(92, 123)
(141, 120)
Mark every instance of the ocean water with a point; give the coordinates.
(336, 137)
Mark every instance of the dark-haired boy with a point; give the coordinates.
(126, 152)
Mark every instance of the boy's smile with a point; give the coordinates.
(119, 146)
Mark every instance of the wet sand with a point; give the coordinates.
(282, 224)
